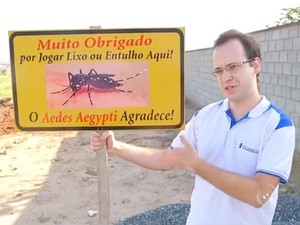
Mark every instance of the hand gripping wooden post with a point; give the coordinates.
(103, 180)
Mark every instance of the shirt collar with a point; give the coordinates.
(258, 110)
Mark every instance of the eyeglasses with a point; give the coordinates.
(230, 68)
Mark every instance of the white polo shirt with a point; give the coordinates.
(262, 141)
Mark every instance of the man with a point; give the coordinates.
(239, 148)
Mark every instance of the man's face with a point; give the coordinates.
(236, 74)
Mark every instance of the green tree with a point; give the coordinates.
(289, 15)
(3, 72)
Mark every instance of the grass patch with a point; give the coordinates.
(5, 86)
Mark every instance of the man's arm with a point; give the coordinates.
(151, 158)
(252, 190)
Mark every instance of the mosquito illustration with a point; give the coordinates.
(96, 80)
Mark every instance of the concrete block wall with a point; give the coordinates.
(279, 79)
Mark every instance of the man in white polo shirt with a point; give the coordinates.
(239, 148)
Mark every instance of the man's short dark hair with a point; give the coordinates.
(251, 46)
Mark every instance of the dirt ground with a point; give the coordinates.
(50, 177)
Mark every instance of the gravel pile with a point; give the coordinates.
(287, 213)
(288, 210)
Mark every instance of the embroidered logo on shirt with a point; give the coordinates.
(242, 146)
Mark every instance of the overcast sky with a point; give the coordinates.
(203, 20)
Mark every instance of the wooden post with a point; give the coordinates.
(103, 187)
(103, 180)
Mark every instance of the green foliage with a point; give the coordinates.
(5, 86)
(3, 72)
(288, 15)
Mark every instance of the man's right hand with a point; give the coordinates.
(101, 140)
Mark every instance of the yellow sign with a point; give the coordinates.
(98, 79)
